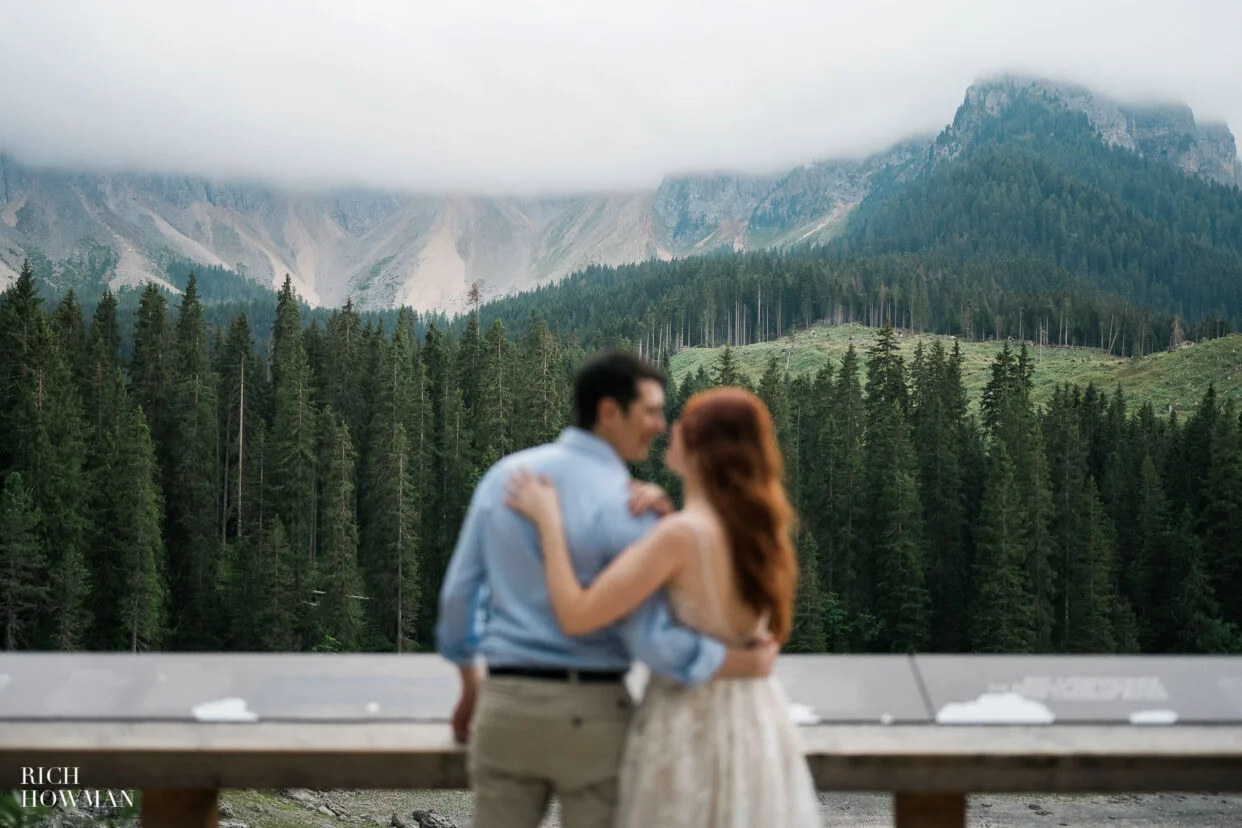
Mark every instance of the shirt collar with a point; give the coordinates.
(579, 439)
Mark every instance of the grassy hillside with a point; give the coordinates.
(1176, 378)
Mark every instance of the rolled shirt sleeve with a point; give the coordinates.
(653, 635)
(655, 638)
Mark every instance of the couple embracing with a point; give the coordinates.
(566, 571)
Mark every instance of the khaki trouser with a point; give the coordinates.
(533, 738)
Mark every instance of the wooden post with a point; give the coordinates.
(180, 808)
(929, 810)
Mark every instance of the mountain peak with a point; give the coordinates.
(1164, 130)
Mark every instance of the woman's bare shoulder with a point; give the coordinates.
(690, 527)
(676, 533)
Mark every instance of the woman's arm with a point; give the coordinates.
(640, 569)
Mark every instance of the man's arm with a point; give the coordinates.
(655, 638)
(457, 629)
(461, 597)
(463, 712)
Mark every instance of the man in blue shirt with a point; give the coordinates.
(553, 711)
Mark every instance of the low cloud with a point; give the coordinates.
(554, 95)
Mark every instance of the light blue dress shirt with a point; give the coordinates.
(495, 600)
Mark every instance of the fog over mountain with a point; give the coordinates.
(486, 97)
(398, 153)
(385, 249)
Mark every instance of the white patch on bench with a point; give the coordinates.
(802, 714)
(996, 708)
(5, 678)
(231, 709)
(1153, 717)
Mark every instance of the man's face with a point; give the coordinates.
(632, 431)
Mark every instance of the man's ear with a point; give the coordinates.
(609, 411)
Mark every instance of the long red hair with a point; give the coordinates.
(729, 437)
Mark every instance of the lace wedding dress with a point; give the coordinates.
(721, 755)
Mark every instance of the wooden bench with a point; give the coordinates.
(930, 729)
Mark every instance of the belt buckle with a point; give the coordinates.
(573, 676)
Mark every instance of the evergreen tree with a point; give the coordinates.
(42, 435)
(140, 590)
(24, 336)
(1072, 528)
(942, 435)
(899, 598)
(895, 571)
(1221, 518)
(107, 406)
(727, 370)
(106, 533)
(1151, 567)
(339, 613)
(278, 602)
(808, 634)
(1036, 495)
(1195, 623)
(287, 336)
(293, 496)
(193, 539)
(810, 491)
(774, 394)
(395, 586)
(1003, 614)
(1189, 485)
(151, 369)
(347, 372)
(21, 564)
(468, 366)
(837, 626)
(240, 401)
(391, 507)
(886, 374)
(1011, 421)
(435, 448)
(546, 409)
(1119, 459)
(497, 399)
(265, 603)
(843, 433)
(69, 330)
(1089, 598)
(99, 389)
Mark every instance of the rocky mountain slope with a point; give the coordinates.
(387, 249)
(1167, 131)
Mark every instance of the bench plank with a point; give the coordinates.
(926, 758)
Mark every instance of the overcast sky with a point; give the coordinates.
(557, 95)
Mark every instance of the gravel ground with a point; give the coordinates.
(268, 809)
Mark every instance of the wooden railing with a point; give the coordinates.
(930, 729)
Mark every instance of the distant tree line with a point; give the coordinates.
(205, 493)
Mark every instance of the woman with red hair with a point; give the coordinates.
(724, 753)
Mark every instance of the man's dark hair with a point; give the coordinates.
(610, 374)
